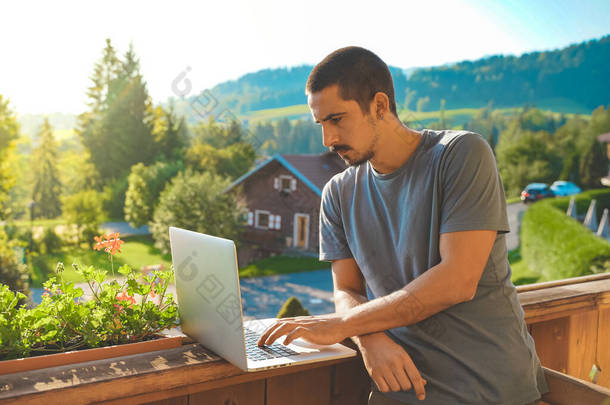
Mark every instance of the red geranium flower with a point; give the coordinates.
(110, 242)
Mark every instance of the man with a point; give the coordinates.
(414, 229)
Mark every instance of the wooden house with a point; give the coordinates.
(282, 196)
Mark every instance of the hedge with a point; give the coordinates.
(557, 246)
(583, 200)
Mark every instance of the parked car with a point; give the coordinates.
(562, 188)
(535, 192)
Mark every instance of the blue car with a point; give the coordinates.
(564, 188)
(535, 192)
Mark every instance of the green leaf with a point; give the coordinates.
(125, 270)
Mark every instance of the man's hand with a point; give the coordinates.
(389, 365)
(320, 329)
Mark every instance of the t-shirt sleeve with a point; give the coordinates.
(333, 242)
(472, 190)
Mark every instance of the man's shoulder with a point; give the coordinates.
(450, 137)
(340, 180)
(460, 143)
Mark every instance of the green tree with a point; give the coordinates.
(525, 158)
(84, 211)
(77, 172)
(117, 131)
(9, 132)
(47, 186)
(489, 123)
(145, 184)
(567, 142)
(170, 133)
(221, 149)
(113, 198)
(196, 201)
(593, 164)
(12, 272)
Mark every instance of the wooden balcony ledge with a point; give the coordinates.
(569, 320)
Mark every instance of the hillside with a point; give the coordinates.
(570, 80)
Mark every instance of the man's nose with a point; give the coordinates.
(329, 137)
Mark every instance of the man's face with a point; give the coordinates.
(345, 129)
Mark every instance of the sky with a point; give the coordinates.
(48, 48)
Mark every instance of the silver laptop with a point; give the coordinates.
(209, 302)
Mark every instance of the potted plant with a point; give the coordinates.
(121, 317)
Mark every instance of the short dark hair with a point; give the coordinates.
(359, 73)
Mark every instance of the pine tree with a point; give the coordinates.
(170, 133)
(593, 164)
(9, 131)
(47, 186)
(118, 129)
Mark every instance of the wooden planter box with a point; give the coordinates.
(80, 356)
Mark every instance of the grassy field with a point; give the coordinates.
(25, 223)
(271, 114)
(282, 265)
(138, 251)
(455, 118)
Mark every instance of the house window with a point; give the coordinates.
(285, 183)
(262, 219)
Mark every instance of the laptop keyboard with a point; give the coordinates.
(255, 352)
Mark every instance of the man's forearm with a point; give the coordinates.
(345, 300)
(427, 295)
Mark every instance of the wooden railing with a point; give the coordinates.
(569, 320)
(570, 323)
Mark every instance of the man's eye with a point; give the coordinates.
(336, 119)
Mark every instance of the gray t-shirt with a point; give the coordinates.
(475, 352)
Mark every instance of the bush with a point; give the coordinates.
(13, 273)
(84, 209)
(198, 203)
(292, 307)
(557, 246)
(50, 242)
(114, 199)
(145, 183)
(583, 200)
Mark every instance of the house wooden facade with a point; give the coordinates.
(282, 197)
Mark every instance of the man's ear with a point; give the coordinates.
(381, 104)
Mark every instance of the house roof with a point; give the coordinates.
(313, 170)
(604, 137)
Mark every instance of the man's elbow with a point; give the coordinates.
(468, 291)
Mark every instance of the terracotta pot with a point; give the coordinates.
(80, 356)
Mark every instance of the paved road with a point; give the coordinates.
(124, 228)
(515, 213)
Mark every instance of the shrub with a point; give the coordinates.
(292, 307)
(583, 200)
(13, 273)
(557, 246)
(113, 201)
(50, 242)
(145, 185)
(196, 202)
(84, 209)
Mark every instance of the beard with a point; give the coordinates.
(365, 156)
(358, 160)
